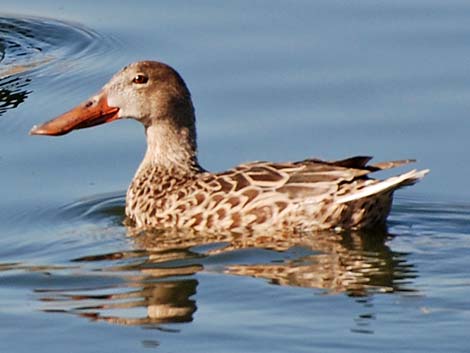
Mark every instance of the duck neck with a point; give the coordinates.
(170, 148)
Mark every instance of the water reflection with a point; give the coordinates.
(13, 92)
(158, 278)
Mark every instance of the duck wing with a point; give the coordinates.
(313, 179)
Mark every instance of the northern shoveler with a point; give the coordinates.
(171, 190)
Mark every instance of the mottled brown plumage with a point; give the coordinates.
(260, 195)
(171, 190)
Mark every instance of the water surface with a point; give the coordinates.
(269, 81)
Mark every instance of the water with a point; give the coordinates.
(269, 81)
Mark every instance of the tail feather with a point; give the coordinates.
(391, 164)
(386, 185)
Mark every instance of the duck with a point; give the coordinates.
(171, 190)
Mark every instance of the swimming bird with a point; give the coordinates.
(171, 190)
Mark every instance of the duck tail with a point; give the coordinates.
(386, 185)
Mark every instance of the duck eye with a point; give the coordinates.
(140, 79)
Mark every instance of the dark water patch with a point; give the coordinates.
(13, 92)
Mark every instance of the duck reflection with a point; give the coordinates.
(357, 263)
(164, 301)
(159, 277)
(149, 292)
(354, 263)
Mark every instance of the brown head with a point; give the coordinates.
(147, 91)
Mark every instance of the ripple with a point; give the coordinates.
(107, 207)
(31, 46)
(427, 215)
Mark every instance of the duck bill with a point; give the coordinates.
(95, 111)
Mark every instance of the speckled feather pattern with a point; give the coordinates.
(260, 196)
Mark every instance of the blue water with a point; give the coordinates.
(270, 81)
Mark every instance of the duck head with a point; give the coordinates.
(147, 91)
(150, 92)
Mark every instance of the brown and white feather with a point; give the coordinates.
(305, 195)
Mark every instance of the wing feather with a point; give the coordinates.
(308, 179)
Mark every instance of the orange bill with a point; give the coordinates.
(87, 114)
